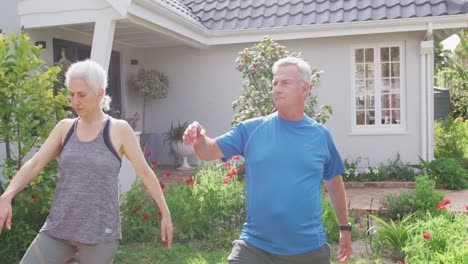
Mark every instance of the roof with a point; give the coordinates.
(250, 14)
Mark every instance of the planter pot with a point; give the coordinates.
(184, 151)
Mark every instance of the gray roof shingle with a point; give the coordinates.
(247, 14)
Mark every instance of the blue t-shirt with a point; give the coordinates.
(285, 163)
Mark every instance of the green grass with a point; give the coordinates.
(190, 253)
(185, 253)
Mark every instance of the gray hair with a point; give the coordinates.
(93, 75)
(305, 71)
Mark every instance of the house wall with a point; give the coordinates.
(203, 84)
(9, 20)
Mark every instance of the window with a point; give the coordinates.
(378, 88)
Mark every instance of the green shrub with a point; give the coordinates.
(451, 140)
(397, 170)
(29, 109)
(424, 198)
(208, 206)
(389, 236)
(447, 173)
(440, 239)
(140, 215)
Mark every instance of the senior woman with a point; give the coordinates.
(84, 216)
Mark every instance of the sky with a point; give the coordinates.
(451, 42)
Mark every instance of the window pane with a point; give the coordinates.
(359, 55)
(360, 118)
(395, 69)
(395, 101)
(369, 55)
(385, 85)
(370, 102)
(396, 117)
(395, 54)
(369, 70)
(360, 82)
(386, 117)
(370, 85)
(385, 101)
(359, 71)
(360, 91)
(359, 102)
(370, 117)
(396, 86)
(384, 54)
(385, 69)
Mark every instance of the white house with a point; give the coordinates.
(377, 58)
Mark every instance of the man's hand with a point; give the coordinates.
(5, 213)
(193, 133)
(345, 246)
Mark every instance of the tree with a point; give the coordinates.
(28, 112)
(255, 64)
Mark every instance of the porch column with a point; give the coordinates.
(427, 99)
(103, 38)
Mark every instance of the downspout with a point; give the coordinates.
(427, 95)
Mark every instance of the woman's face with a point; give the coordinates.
(83, 99)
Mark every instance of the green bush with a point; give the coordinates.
(29, 109)
(440, 239)
(397, 170)
(424, 198)
(140, 215)
(451, 140)
(389, 236)
(447, 173)
(208, 206)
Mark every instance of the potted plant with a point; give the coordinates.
(149, 84)
(173, 137)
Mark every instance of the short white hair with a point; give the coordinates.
(305, 71)
(93, 75)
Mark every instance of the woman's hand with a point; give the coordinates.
(5, 213)
(166, 232)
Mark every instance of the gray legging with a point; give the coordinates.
(48, 250)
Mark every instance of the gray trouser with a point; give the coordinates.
(48, 250)
(245, 253)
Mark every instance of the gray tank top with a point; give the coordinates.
(86, 202)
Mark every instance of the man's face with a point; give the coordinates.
(288, 91)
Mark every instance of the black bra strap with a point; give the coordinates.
(69, 133)
(107, 141)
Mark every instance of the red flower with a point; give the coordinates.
(241, 168)
(466, 206)
(145, 216)
(148, 153)
(132, 245)
(159, 213)
(254, 65)
(402, 261)
(35, 196)
(162, 185)
(189, 181)
(235, 157)
(244, 56)
(167, 174)
(326, 190)
(134, 211)
(226, 181)
(441, 206)
(426, 236)
(227, 165)
(154, 162)
(445, 201)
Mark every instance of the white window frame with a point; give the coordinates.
(377, 128)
